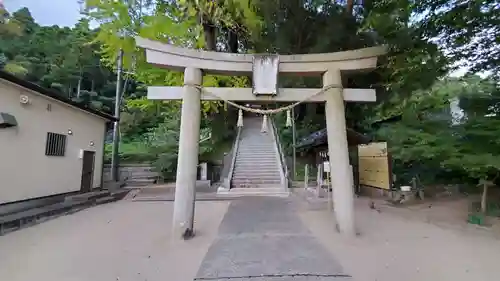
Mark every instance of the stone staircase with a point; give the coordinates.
(257, 168)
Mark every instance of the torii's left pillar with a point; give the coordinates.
(187, 163)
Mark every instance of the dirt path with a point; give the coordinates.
(125, 241)
(392, 247)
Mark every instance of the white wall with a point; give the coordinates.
(25, 171)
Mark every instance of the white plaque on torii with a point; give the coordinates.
(265, 74)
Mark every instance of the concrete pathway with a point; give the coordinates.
(263, 238)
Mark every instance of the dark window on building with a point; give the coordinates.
(55, 145)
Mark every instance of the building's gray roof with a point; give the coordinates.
(320, 137)
(52, 94)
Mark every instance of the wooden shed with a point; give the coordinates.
(314, 150)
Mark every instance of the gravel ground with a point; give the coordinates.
(127, 241)
(130, 240)
(393, 246)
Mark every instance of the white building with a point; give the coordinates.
(48, 145)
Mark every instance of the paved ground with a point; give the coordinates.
(130, 240)
(264, 237)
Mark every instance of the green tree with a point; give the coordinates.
(469, 31)
(8, 25)
(440, 144)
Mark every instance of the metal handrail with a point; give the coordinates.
(234, 151)
(284, 166)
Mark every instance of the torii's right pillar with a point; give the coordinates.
(343, 193)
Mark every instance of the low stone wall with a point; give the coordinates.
(144, 174)
(133, 174)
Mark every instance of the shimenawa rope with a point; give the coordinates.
(264, 112)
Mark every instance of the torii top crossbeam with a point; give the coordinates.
(176, 58)
(172, 57)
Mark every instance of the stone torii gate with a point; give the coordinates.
(194, 63)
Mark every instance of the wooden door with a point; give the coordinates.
(87, 170)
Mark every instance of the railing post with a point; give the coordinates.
(227, 180)
(306, 176)
(284, 169)
(319, 179)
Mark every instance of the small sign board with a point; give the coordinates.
(326, 167)
(265, 74)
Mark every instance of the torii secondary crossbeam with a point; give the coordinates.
(330, 65)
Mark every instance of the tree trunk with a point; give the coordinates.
(210, 36)
(232, 41)
(367, 7)
(79, 87)
(70, 91)
(349, 6)
(484, 198)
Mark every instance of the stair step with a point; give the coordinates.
(263, 155)
(257, 152)
(257, 191)
(257, 169)
(87, 196)
(246, 148)
(259, 156)
(105, 200)
(256, 174)
(254, 167)
(243, 147)
(256, 164)
(255, 155)
(255, 132)
(266, 156)
(140, 182)
(260, 165)
(257, 142)
(244, 170)
(256, 161)
(251, 141)
(253, 173)
(262, 188)
(251, 183)
(256, 178)
(236, 182)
